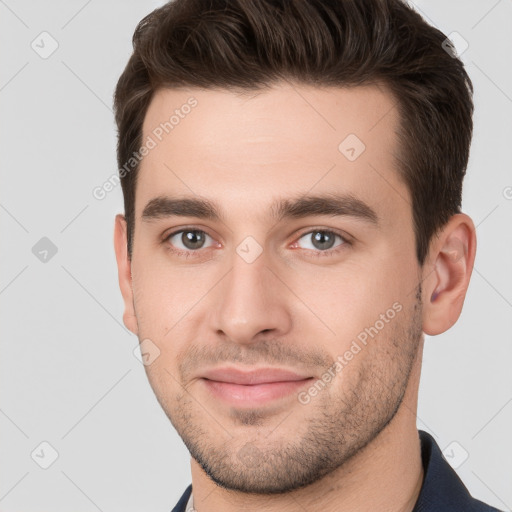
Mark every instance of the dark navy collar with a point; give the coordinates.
(182, 504)
(442, 489)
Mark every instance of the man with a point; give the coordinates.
(292, 176)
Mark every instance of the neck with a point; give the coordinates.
(386, 475)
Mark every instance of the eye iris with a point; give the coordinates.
(323, 240)
(192, 239)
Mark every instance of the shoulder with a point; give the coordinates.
(442, 489)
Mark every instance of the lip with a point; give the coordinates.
(253, 388)
(252, 377)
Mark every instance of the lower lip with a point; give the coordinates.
(255, 394)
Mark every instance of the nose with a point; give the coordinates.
(251, 301)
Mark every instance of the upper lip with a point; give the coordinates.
(260, 376)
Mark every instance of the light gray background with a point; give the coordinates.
(68, 374)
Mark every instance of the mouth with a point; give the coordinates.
(254, 394)
(253, 388)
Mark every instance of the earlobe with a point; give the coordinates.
(124, 273)
(447, 276)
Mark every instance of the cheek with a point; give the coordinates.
(157, 283)
(167, 298)
(351, 299)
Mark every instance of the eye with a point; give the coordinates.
(187, 240)
(322, 241)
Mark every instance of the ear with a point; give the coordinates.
(125, 273)
(447, 274)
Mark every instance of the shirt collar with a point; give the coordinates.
(442, 489)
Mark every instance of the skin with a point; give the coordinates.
(355, 445)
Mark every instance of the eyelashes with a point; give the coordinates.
(200, 236)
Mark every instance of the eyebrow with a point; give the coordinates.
(327, 204)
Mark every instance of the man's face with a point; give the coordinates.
(254, 289)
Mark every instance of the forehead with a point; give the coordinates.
(284, 112)
(284, 140)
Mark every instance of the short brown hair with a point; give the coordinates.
(249, 45)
